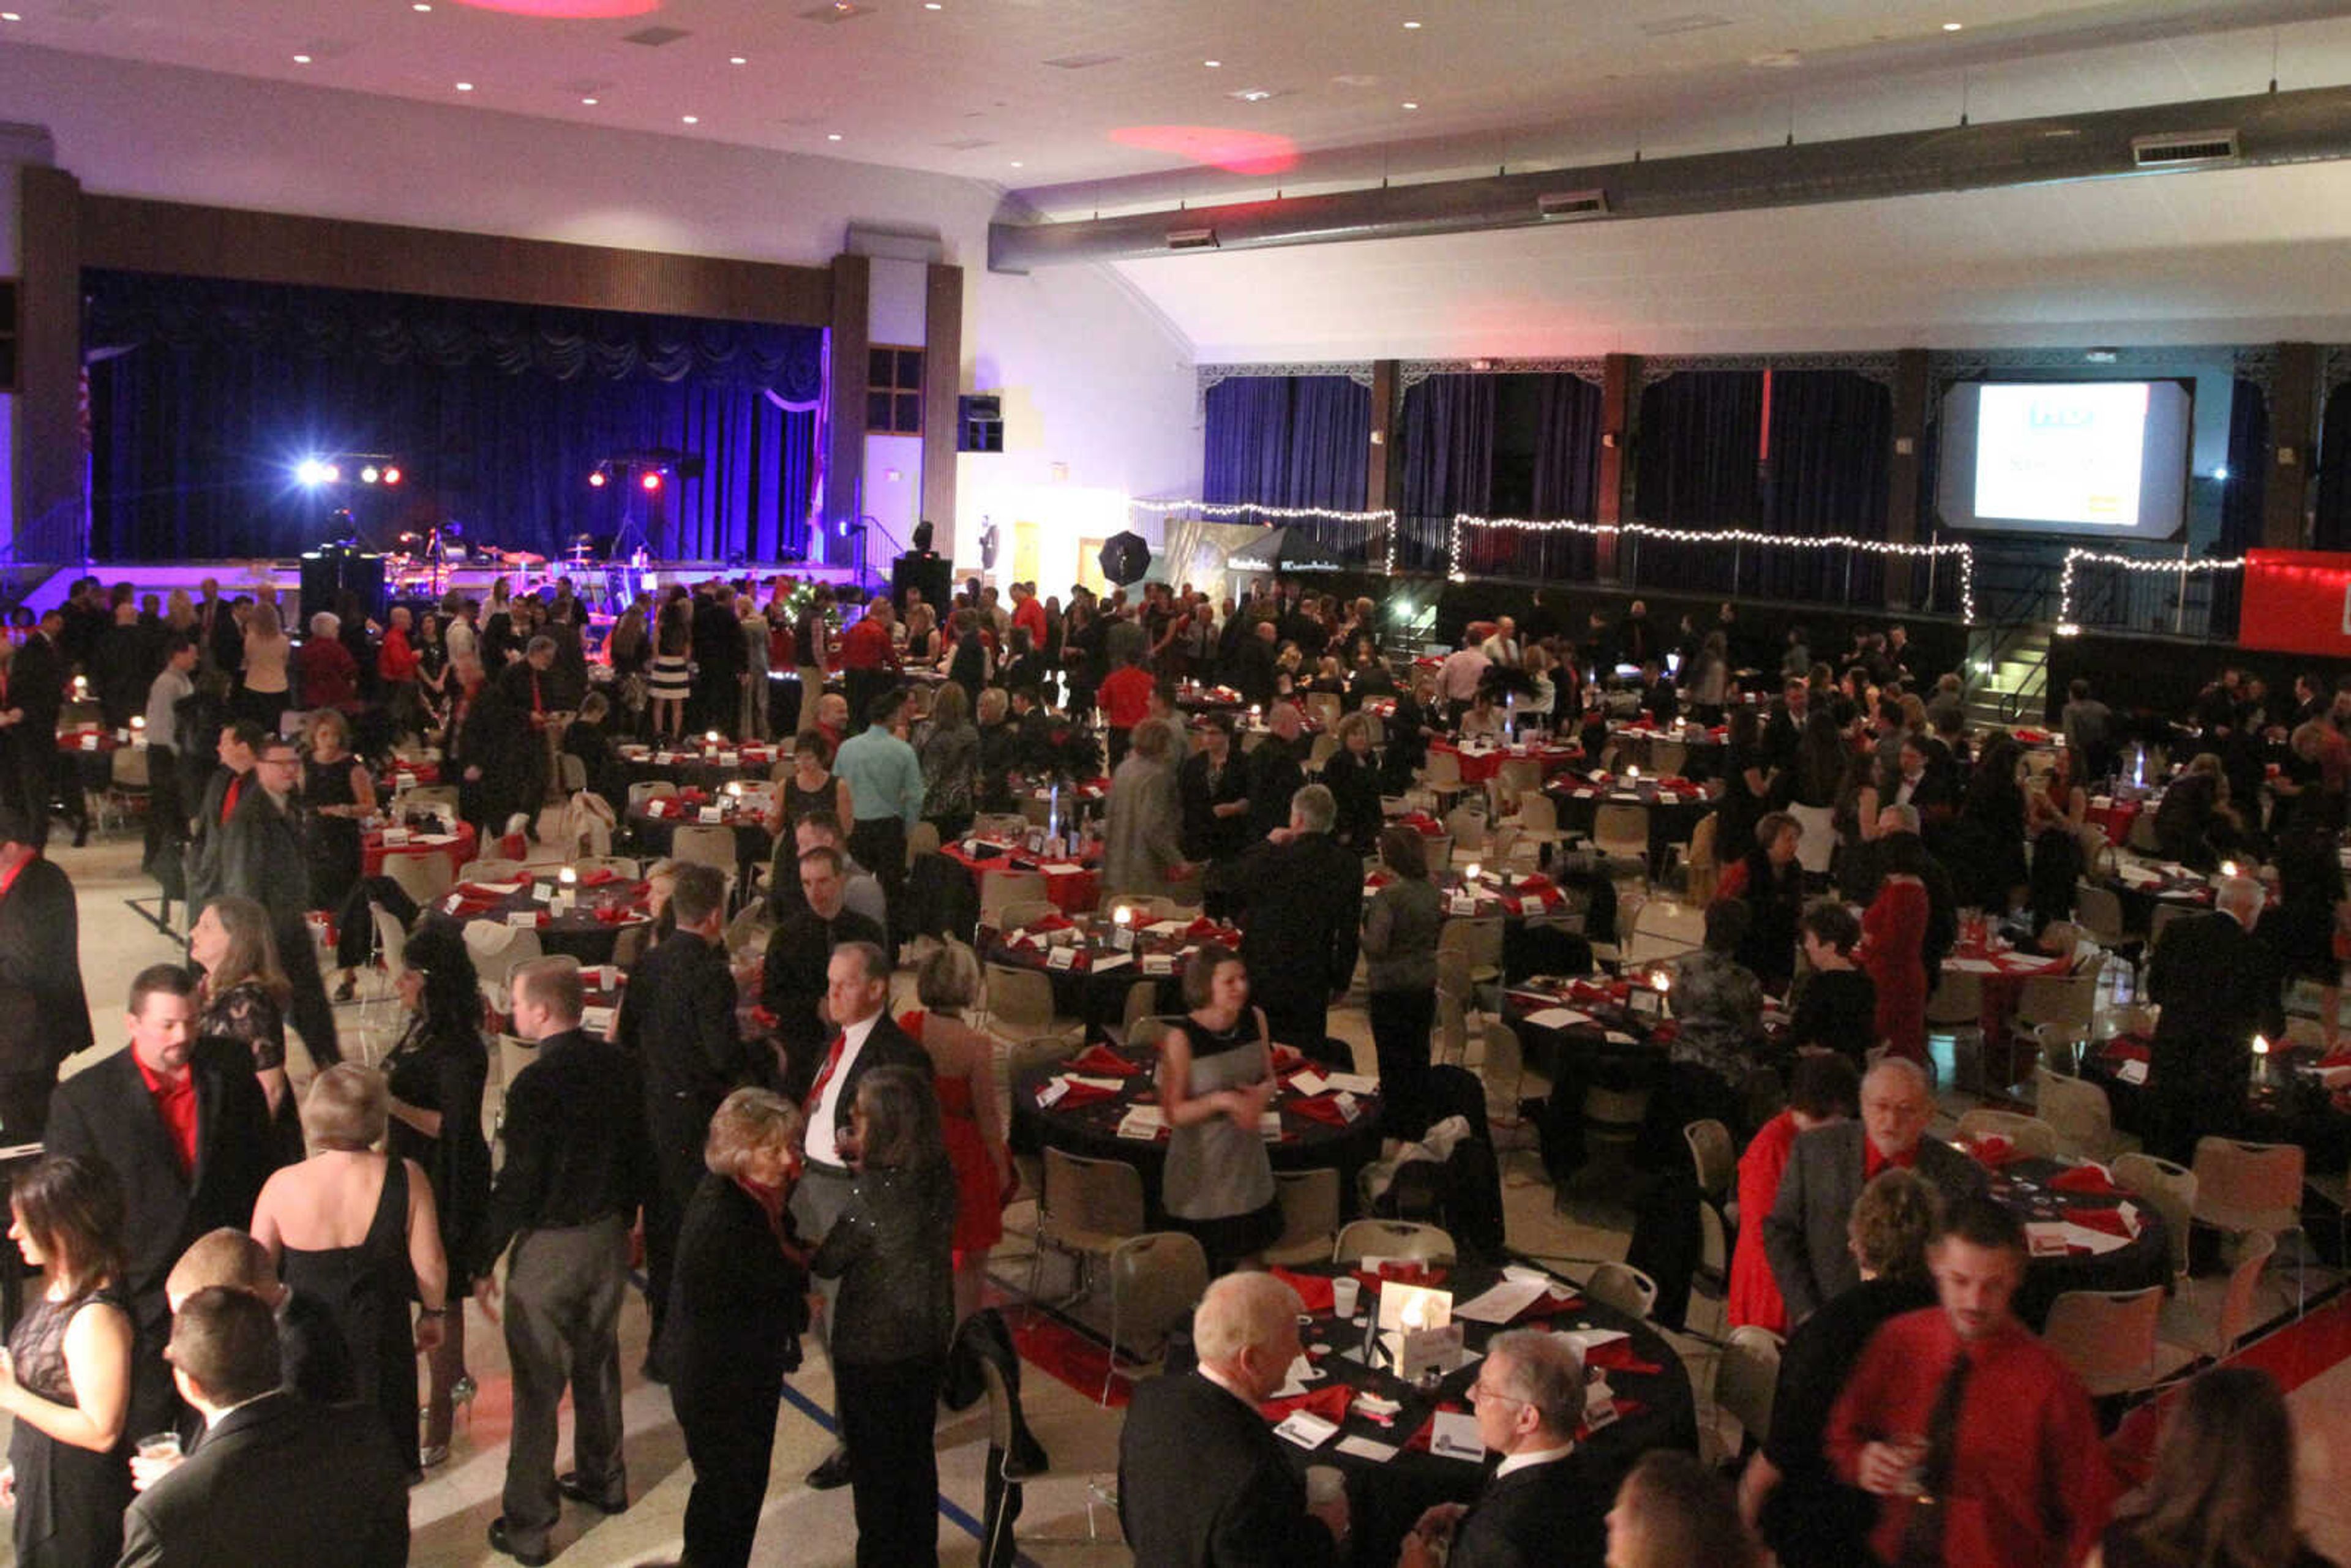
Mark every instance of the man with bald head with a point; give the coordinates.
(2218, 985)
(1202, 1479)
(1805, 1234)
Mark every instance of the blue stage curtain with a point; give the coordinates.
(1287, 441)
(1448, 435)
(1695, 467)
(2332, 523)
(1566, 476)
(1832, 433)
(203, 394)
(2242, 498)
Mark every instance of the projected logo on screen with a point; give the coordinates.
(2062, 454)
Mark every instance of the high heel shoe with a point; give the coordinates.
(462, 1392)
(434, 1455)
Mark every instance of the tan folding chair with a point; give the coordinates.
(2208, 1317)
(2171, 1190)
(497, 950)
(2081, 1114)
(1155, 1281)
(1001, 886)
(1326, 706)
(491, 870)
(2030, 1136)
(1020, 1004)
(1310, 1215)
(1142, 1002)
(1622, 1287)
(2099, 911)
(1622, 833)
(1085, 1207)
(1362, 1239)
(424, 877)
(1466, 825)
(1441, 775)
(704, 844)
(1511, 780)
(1746, 1378)
(2165, 913)
(442, 797)
(1702, 872)
(640, 793)
(1504, 1063)
(1026, 911)
(1714, 1158)
(2242, 1187)
(922, 839)
(2107, 1337)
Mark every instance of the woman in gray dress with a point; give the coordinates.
(1215, 1079)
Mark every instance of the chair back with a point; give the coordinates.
(1537, 814)
(1001, 885)
(1155, 1281)
(497, 951)
(1664, 928)
(2029, 1136)
(1326, 706)
(704, 844)
(2141, 836)
(1026, 912)
(1515, 776)
(491, 869)
(127, 768)
(1438, 848)
(1622, 1287)
(515, 1053)
(1442, 769)
(1713, 1155)
(1002, 826)
(640, 793)
(1746, 1376)
(1089, 1205)
(2169, 1190)
(1323, 747)
(631, 944)
(424, 877)
(922, 839)
(1621, 830)
(1036, 812)
(2236, 1313)
(2079, 1113)
(1505, 1057)
(1309, 1214)
(2062, 999)
(572, 772)
(2247, 1186)
(1958, 1000)
(1038, 1051)
(1704, 871)
(2165, 913)
(1021, 1000)
(1466, 824)
(1667, 757)
(1364, 1238)
(2099, 911)
(2107, 1337)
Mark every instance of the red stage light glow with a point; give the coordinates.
(651, 481)
(391, 476)
(567, 10)
(597, 479)
(1215, 146)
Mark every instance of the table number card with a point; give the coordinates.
(713, 814)
(1158, 963)
(1462, 903)
(394, 837)
(1061, 957)
(523, 919)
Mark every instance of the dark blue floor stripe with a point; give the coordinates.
(949, 1509)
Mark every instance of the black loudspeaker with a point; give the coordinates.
(933, 574)
(979, 423)
(331, 571)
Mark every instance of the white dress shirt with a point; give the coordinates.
(820, 1144)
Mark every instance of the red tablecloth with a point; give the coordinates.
(1072, 892)
(2005, 984)
(463, 852)
(88, 737)
(1478, 766)
(2114, 820)
(407, 776)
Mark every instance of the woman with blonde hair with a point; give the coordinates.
(244, 995)
(264, 691)
(355, 1231)
(950, 759)
(738, 1305)
(963, 1075)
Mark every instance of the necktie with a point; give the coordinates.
(1922, 1532)
(824, 1075)
(229, 795)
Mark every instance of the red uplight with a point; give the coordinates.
(651, 481)
(1242, 151)
(597, 479)
(391, 476)
(566, 10)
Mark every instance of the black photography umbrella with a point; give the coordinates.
(1125, 558)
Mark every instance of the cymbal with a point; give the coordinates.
(521, 558)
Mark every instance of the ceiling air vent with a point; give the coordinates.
(1191, 239)
(840, 11)
(1567, 205)
(1081, 62)
(654, 38)
(2184, 149)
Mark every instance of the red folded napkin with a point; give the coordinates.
(1420, 822)
(1403, 1273)
(1993, 1151)
(1542, 1307)
(1313, 1289)
(2109, 1220)
(1099, 1058)
(762, 1016)
(1378, 879)
(1081, 1094)
(1418, 1442)
(1330, 1402)
(2126, 1048)
(2085, 1179)
(612, 915)
(2340, 1059)
(1320, 1110)
(692, 795)
(1626, 1409)
(1052, 922)
(600, 876)
(1617, 1355)
(1287, 1059)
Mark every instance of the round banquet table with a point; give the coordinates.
(697, 763)
(1655, 1407)
(462, 845)
(92, 749)
(1674, 812)
(654, 831)
(588, 931)
(1074, 885)
(2288, 1105)
(403, 776)
(1098, 995)
(1481, 763)
(1089, 1128)
(2022, 1187)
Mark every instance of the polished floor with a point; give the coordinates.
(451, 1510)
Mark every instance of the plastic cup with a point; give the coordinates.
(1324, 1484)
(1344, 1293)
(159, 1445)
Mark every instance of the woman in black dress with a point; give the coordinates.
(354, 1232)
(2223, 1487)
(66, 1384)
(1352, 775)
(737, 1307)
(434, 1078)
(245, 995)
(338, 794)
(2300, 929)
(892, 1251)
(1748, 781)
(1837, 1008)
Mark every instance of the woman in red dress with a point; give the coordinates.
(1894, 949)
(1824, 1088)
(962, 1069)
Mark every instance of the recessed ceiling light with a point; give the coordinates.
(465, 87)
(1410, 104)
(10, 17)
(422, 5)
(1017, 164)
(301, 59)
(736, 60)
(1212, 64)
(1953, 26)
(690, 118)
(1411, 26)
(832, 136)
(588, 102)
(932, 6)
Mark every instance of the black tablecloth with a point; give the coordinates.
(654, 834)
(2291, 1107)
(1673, 815)
(577, 933)
(2021, 1186)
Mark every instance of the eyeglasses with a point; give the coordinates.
(1479, 1390)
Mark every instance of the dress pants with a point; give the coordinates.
(679, 1125)
(1302, 1020)
(730, 1423)
(563, 1309)
(1401, 1024)
(308, 1010)
(888, 1417)
(816, 1203)
(167, 822)
(861, 687)
(879, 845)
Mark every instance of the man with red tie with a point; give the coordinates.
(240, 742)
(857, 989)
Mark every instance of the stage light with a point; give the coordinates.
(597, 479)
(370, 475)
(651, 481)
(391, 474)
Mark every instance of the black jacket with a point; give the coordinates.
(261, 855)
(1274, 776)
(793, 981)
(43, 1015)
(1207, 836)
(887, 1046)
(1301, 907)
(37, 683)
(677, 1019)
(2218, 986)
(277, 1480)
(577, 1149)
(1543, 1516)
(1204, 1483)
(737, 1301)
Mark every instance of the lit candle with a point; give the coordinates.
(711, 737)
(2261, 1046)
(1633, 772)
(1473, 871)
(735, 787)
(2228, 868)
(1661, 980)
(139, 721)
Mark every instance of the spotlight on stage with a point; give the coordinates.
(370, 475)
(391, 474)
(598, 478)
(314, 472)
(652, 479)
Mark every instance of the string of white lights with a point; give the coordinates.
(2068, 627)
(1384, 518)
(1964, 553)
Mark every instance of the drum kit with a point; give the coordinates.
(427, 564)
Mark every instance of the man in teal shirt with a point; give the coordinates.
(885, 790)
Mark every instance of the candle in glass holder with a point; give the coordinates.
(1472, 872)
(710, 736)
(1122, 920)
(1634, 773)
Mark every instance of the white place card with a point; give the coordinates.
(523, 919)
(2131, 1072)
(1269, 1125)
(1453, 1435)
(714, 814)
(393, 838)
(1309, 1430)
(1167, 927)
(1462, 903)
(1558, 1018)
(1109, 961)
(1352, 1083)
(1049, 1092)
(1158, 963)
(1061, 957)
(597, 1020)
(1365, 1449)
(1144, 1124)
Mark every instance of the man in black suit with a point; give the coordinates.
(43, 1015)
(794, 980)
(1202, 1480)
(2218, 986)
(720, 655)
(577, 1166)
(677, 1019)
(1300, 898)
(238, 745)
(489, 747)
(1546, 1503)
(262, 859)
(1806, 1235)
(184, 1128)
(274, 1479)
(527, 692)
(1274, 770)
(857, 993)
(36, 695)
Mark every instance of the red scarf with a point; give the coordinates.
(770, 1200)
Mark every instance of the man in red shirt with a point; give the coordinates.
(1124, 698)
(1979, 1442)
(868, 660)
(1029, 613)
(396, 665)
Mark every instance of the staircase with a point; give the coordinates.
(2007, 675)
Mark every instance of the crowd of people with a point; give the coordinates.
(236, 1268)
